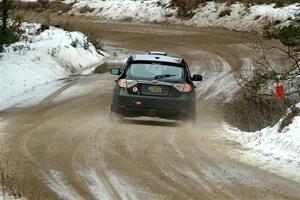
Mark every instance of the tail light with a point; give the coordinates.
(183, 110)
(122, 83)
(122, 106)
(187, 88)
(127, 83)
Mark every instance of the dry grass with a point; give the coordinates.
(197, 2)
(102, 68)
(186, 7)
(50, 7)
(67, 22)
(250, 113)
(86, 9)
(289, 118)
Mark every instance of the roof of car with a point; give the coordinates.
(156, 57)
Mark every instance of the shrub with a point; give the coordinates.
(289, 36)
(102, 68)
(256, 107)
(186, 7)
(7, 37)
(289, 118)
(18, 18)
(86, 9)
(251, 113)
(43, 3)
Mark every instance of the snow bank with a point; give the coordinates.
(125, 10)
(285, 145)
(239, 17)
(41, 59)
(235, 17)
(268, 142)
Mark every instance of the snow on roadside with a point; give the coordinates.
(238, 17)
(234, 17)
(57, 184)
(38, 60)
(277, 151)
(95, 184)
(125, 10)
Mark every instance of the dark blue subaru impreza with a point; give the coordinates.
(154, 85)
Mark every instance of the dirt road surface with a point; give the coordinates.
(66, 147)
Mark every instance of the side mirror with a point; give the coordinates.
(115, 71)
(197, 77)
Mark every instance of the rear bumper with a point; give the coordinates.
(129, 105)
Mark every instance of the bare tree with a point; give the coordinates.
(5, 9)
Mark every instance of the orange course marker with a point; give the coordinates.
(280, 93)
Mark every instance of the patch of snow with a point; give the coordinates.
(125, 190)
(238, 17)
(125, 10)
(58, 185)
(95, 184)
(274, 150)
(39, 60)
(31, 96)
(81, 88)
(235, 16)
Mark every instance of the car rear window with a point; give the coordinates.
(149, 70)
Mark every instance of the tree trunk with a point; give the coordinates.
(4, 14)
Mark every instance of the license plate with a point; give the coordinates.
(155, 89)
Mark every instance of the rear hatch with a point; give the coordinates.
(154, 89)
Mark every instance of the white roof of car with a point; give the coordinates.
(156, 56)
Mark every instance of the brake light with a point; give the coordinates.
(122, 83)
(122, 106)
(183, 110)
(187, 88)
